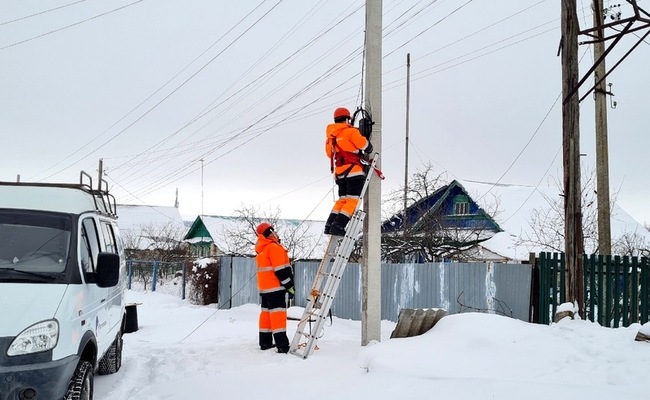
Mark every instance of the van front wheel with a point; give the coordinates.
(112, 360)
(81, 385)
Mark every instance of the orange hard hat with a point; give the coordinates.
(264, 229)
(341, 112)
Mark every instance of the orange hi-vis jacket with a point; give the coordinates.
(273, 268)
(342, 145)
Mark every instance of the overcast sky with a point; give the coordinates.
(153, 87)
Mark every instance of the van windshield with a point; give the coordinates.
(34, 242)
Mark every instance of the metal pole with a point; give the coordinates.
(371, 266)
(602, 157)
(155, 275)
(101, 174)
(201, 188)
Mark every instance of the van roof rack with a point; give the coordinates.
(108, 203)
(105, 202)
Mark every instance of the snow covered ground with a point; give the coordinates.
(182, 351)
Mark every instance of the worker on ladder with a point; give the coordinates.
(347, 150)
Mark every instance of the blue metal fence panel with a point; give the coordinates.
(244, 281)
(455, 287)
(517, 279)
(224, 284)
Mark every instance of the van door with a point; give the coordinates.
(114, 295)
(95, 308)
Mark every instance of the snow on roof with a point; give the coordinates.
(515, 204)
(134, 216)
(137, 221)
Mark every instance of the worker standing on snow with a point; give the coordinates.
(274, 280)
(345, 147)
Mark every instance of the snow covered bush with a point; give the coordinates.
(202, 281)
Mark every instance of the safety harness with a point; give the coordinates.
(342, 157)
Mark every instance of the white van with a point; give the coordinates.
(62, 278)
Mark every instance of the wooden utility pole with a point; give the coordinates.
(602, 153)
(573, 235)
(406, 144)
(371, 266)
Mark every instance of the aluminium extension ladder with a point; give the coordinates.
(328, 278)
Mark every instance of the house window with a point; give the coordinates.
(461, 205)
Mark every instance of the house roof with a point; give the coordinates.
(135, 220)
(440, 204)
(218, 229)
(512, 207)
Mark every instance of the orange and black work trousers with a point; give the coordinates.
(273, 320)
(349, 193)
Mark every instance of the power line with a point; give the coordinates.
(40, 13)
(71, 25)
(172, 92)
(251, 139)
(145, 100)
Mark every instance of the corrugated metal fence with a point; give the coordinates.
(456, 287)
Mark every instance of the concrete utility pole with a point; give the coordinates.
(371, 267)
(573, 235)
(602, 153)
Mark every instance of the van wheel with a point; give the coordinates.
(112, 360)
(82, 383)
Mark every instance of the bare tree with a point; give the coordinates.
(547, 224)
(165, 241)
(132, 241)
(240, 238)
(425, 232)
(631, 244)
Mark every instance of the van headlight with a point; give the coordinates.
(39, 337)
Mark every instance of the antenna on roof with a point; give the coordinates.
(101, 172)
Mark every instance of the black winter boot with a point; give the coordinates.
(339, 224)
(328, 223)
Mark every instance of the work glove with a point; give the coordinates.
(292, 293)
(368, 149)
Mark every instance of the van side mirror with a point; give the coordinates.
(108, 270)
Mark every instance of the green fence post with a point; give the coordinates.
(545, 288)
(560, 267)
(601, 288)
(616, 291)
(626, 292)
(592, 287)
(634, 289)
(554, 277)
(608, 291)
(644, 290)
(542, 288)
